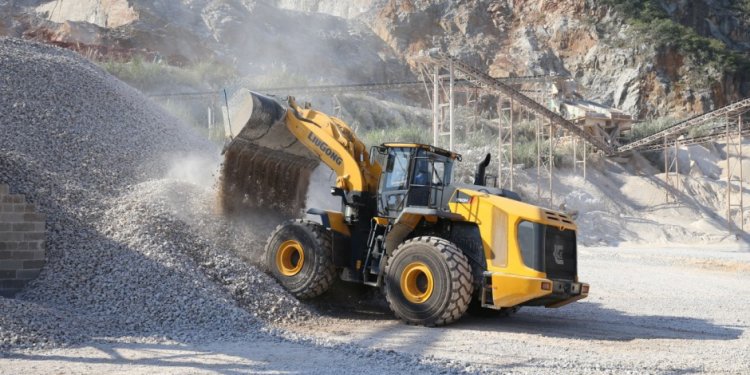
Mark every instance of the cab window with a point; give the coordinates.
(431, 169)
(439, 175)
(397, 170)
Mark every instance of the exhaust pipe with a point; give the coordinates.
(479, 176)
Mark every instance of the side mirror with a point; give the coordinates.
(375, 151)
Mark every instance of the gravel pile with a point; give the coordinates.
(122, 257)
(174, 224)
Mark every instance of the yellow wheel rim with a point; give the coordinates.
(290, 258)
(417, 282)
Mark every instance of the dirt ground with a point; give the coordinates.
(261, 356)
(667, 310)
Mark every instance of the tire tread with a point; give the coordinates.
(461, 279)
(324, 272)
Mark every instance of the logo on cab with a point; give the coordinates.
(557, 253)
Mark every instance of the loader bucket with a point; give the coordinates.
(265, 168)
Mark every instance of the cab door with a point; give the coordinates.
(394, 183)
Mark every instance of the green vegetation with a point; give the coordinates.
(524, 151)
(646, 128)
(653, 25)
(148, 76)
(379, 122)
(365, 113)
(195, 114)
(157, 78)
(744, 5)
(277, 78)
(649, 127)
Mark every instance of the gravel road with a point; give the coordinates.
(650, 311)
(677, 310)
(259, 356)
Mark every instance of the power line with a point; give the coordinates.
(356, 87)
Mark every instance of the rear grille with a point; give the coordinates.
(560, 259)
(555, 216)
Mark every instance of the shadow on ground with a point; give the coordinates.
(588, 320)
(166, 357)
(353, 301)
(261, 356)
(583, 320)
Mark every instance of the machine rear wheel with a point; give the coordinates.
(298, 254)
(428, 282)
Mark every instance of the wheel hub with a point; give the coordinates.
(417, 282)
(290, 258)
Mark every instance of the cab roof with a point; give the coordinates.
(430, 148)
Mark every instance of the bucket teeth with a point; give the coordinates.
(258, 178)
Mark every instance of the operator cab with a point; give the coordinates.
(414, 175)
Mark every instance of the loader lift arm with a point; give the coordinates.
(336, 145)
(275, 148)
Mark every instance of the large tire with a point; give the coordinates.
(298, 254)
(428, 282)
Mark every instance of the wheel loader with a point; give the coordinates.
(435, 247)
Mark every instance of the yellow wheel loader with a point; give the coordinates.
(435, 247)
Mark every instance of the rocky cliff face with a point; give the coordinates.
(346, 9)
(585, 39)
(253, 36)
(725, 20)
(579, 38)
(369, 40)
(104, 13)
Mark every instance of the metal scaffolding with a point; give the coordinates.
(479, 78)
(732, 110)
(579, 157)
(545, 160)
(735, 182)
(671, 162)
(505, 128)
(442, 99)
(513, 104)
(722, 125)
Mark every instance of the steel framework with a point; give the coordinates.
(579, 157)
(443, 76)
(512, 105)
(505, 126)
(728, 128)
(732, 110)
(735, 181)
(724, 124)
(480, 78)
(671, 162)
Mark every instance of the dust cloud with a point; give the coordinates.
(197, 169)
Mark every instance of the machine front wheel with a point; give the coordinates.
(298, 254)
(428, 282)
